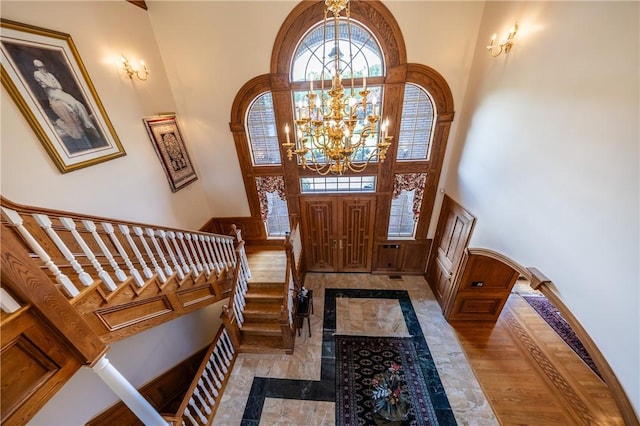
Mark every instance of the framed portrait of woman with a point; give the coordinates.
(43, 73)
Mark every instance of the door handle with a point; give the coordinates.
(340, 244)
(450, 274)
(334, 244)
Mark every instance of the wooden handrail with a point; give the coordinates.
(203, 397)
(84, 251)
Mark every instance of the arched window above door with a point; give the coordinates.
(308, 60)
(416, 99)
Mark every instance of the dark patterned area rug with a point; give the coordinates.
(359, 359)
(554, 318)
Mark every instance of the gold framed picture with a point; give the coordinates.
(167, 141)
(43, 73)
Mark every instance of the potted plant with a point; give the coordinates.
(390, 404)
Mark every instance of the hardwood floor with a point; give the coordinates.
(528, 375)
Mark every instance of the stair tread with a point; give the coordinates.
(261, 326)
(262, 344)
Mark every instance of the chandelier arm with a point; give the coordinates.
(330, 134)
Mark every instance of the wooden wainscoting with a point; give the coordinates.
(408, 257)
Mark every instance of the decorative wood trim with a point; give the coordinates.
(26, 281)
(140, 3)
(372, 13)
(540, 282)
(478, 251)
(129, 314)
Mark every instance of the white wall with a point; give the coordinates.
(123, 188)
(549, 160)
(211, 49)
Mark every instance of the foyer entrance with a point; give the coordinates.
(338, 232)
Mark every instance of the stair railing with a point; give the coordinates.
(294, 279)
(232, 314)
(84, 253)
(203, 397)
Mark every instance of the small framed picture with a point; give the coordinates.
(43, 73)
(169, 145)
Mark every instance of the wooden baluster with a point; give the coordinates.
(108, 228)
(194, 405)
(223, 346)
(227, 248)
(16, 221)
(91, 227)
(237, 309)
(190, 417)
(70, 225)
(221, 364)
(156, 245)
(227, 341)
(206, 392)
(196, 258)
(212, 388)
(211, 242)
(192, 265)
(216, 365)
(222, 253)
(245, 262)
(196, 393)
(7, 303)
(213, 374)
(156, 267)
(174, 239)
(124, 230)
(227, 360)
(46, 224)
(203, 244)
(163, 235)
(205, 264)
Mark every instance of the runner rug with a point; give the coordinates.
(359, 359)
(554, 318)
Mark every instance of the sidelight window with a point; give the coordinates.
(414, 138)
(262, 132)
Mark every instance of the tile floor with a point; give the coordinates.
(359, 316)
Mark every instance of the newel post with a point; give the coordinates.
(231, 326)
(286, 329)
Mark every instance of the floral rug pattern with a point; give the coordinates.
(359, 359)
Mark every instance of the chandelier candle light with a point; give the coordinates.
(332, 129)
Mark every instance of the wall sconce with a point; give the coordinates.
(142, 73)
(505, 45)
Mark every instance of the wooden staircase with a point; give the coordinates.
(262, 330)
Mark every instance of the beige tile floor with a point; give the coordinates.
(356, 316)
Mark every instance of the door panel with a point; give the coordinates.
(338, 232)
(356, 242)
(318, 217)
(452, 236)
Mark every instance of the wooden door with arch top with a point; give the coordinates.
(338, 232)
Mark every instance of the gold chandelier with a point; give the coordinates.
(333, 128)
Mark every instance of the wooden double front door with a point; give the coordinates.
(338, 232)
